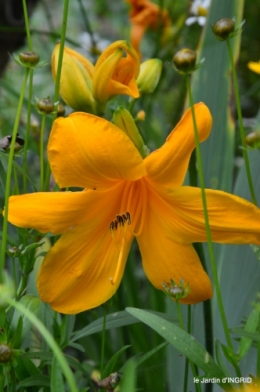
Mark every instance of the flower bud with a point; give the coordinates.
(76, 79)
(116, 72)
(185, 60)
(123, 120)
(149, 76)
(29, 58)
(140, 116)
(5, 353)
(60, 110)
(175, 291)
(223, 28)
(252, 139)
(45, 105)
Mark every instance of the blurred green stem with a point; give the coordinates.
(58, 75)
(26, 19)
(42, 152)
(207, 226)
(9, 173)
(241, 126)
(27, 132)
(102, 360)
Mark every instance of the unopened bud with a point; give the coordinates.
(6, 353)
(185, 60)
(45, 105)
(253, 139)
(140, 116)
(30, 58)
(149, 76)
(223, 28)
(60, 110)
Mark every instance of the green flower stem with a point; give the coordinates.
(241, 126)
(58, 76)
(102, 360)
(258, 355)
(193, 368)
(27, 131)
(207, 226)
(50, 341)
(26, 19)
(42, 152)
(207, 309)
(9, 173)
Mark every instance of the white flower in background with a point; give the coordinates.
(199, 11)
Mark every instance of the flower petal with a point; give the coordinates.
(255, 67)
(168, 164)
(76, 273)
(163, 260)
(232, 219)
(90, 152)
(56, 212)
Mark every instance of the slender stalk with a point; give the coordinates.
(42, 152)
(27, 131)
(258, 355)
(241, 126)
(207, 226)
(58, 75)
(9, 173)
(207, 309)
(26, 19)
(50, 341)
(103, 339)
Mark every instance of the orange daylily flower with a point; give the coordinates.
(86, 87)
(145, 14)
(126, 196)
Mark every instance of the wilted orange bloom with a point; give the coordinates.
(145, 14)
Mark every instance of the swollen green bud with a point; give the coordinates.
(253, 139)
(30, 58)
(45, 105)
(6, 292)
(185, 60)
(149, 76)
(123, 120)
(60, 110)
(223, 28)
(6, 353)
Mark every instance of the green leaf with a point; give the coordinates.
(31, 303)
(38, 381)
(251, 326)
(220, 362)
(147, 355)
(16, 340)
(241, 332)
(181, 340)
(110, 366)
(57, 383)
(128, 381)
(113, 320)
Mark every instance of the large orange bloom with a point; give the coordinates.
(144, 14)
(126, 196)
